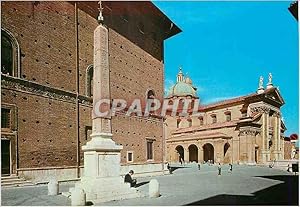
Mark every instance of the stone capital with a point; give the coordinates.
(277, 114)
(250, 132)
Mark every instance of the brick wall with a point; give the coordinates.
(45, 32)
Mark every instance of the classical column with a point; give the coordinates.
(277, 135)
(186, 155)
(265, 152)
(102, 180)
(200, 153)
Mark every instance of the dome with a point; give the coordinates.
(182, 89)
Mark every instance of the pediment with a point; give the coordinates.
(274, 95)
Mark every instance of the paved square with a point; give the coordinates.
(246, 185)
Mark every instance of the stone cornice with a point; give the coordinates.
(14, 83)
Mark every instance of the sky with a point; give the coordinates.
(226, 46)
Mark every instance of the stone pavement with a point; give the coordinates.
(246, 185)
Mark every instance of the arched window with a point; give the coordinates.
(9, 54)
(150, 94)
(89, 80)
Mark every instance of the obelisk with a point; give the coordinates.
(101, 179)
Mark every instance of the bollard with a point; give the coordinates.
(78, 197)
(154, 189)
(53, 187)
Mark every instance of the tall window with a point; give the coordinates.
(228, 116)
(7, 55)
(89, 80)
(150, 95)
(5, 118)
(214, 118)
(149, 150)
(129, 157)
(178, 123)
(190, 122)
(201, 120)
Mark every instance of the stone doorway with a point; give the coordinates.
(227, 156)
(208, 152)
(256, 154)
(193, 153)
(5, 157)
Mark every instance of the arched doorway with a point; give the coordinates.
(208, 152)
(193, 153)
(180, 153)
(226, 153)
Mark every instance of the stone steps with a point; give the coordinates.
(14, 181)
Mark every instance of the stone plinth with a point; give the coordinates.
(78, 197)
(102, 181)
(53, 187)
(154, 189)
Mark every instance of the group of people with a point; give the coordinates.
(220, 168)
(128, 177)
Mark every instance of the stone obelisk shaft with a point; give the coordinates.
(101, 89)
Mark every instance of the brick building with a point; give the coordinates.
(47, 76)
(246, 129)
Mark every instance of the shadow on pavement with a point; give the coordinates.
(286, 193)
(141, 183)
(172, 169)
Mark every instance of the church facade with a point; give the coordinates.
(47, 79)
(246, 129)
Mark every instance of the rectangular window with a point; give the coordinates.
(214, 118)
(149, 150)
(129, 156)
(228, 117)
(5, 118)
(201, 120)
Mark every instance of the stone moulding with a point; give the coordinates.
(251, 132)
(14, 83)
(260, 109)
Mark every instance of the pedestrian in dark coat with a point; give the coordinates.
(230, 167)
(169, 168)
(219, 169)
(128, 179)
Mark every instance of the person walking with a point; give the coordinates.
(169, 168)
(219, 169)
(199, 167)
(230, 168)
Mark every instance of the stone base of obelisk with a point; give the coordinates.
(101, 180)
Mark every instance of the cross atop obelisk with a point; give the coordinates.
(100, 16)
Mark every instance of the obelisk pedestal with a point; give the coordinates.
(101, 180)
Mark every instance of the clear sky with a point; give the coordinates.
(226, 46)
